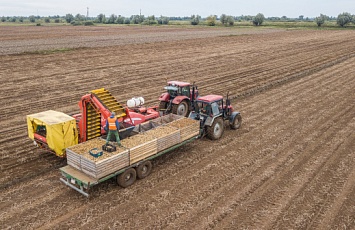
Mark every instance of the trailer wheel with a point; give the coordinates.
(144, 169)
(215, 131)
(127, 178)
(181, 109)
(237, 122)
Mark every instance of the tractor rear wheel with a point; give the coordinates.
(237, 122)
(144, 169)
(215, 131)
(181, 109)
(127, 178)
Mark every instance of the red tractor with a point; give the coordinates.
(212, 112)
(179, 98)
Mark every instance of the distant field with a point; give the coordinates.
(16, 39)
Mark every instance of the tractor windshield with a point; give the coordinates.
(204, 108)
(172, 90)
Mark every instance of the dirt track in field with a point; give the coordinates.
(290, 166)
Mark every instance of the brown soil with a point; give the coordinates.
(290, 165)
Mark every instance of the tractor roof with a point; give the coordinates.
(210, 98)
(179, 83)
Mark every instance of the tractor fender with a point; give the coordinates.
(234, 114)
(179, 99)
(164, 97)
(209, 121)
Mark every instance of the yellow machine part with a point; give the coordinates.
(61, 130)
(109, 101)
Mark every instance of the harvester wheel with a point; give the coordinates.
(215, 131)
(181, 109)
(162, 105)
(127, 178)
(144, 169)
(237, 122)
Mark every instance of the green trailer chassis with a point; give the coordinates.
(82, 183)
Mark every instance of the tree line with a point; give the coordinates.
(342, 20)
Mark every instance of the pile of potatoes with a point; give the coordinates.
(161, 131)
(136, 140)
(83, 149)
(181, 123)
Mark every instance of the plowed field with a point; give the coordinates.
(290, 165)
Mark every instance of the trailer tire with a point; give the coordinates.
(215, 131)
(144, 169)
(181, 109)
(127, 178)
(237, 122)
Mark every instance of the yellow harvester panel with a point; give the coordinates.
(61, 130)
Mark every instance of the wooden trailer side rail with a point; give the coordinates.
(82, 183)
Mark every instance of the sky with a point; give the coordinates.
(270, 8)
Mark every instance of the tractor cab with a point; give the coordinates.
(212, 111)
(178, 88)
(173, 91)
(210, 105)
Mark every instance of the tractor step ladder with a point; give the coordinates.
(109, 101)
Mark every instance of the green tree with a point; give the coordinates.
(127, 21)
(135, 19)
(211, 20)
(120, 20)
(284, 18)
(20, 19)
(163, 20)
(195, 19)
(32, 18)
(13, 19)
(69, 18)
(47, 20)
(150, 20)
(3, 19)
(301, 17)
(320, 20)
(223, 19)
(344, 19)
(141, 18)
(258, 19)
(100, 18)
(112, 19)
(230, 20)
(79, 17)
(57, 20)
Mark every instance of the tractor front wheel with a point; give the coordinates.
(181, 109)
(127, 178)
(237, 122)
(215, 131)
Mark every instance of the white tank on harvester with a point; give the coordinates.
(135, 102)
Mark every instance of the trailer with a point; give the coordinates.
(148, 141)
(125, 177)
